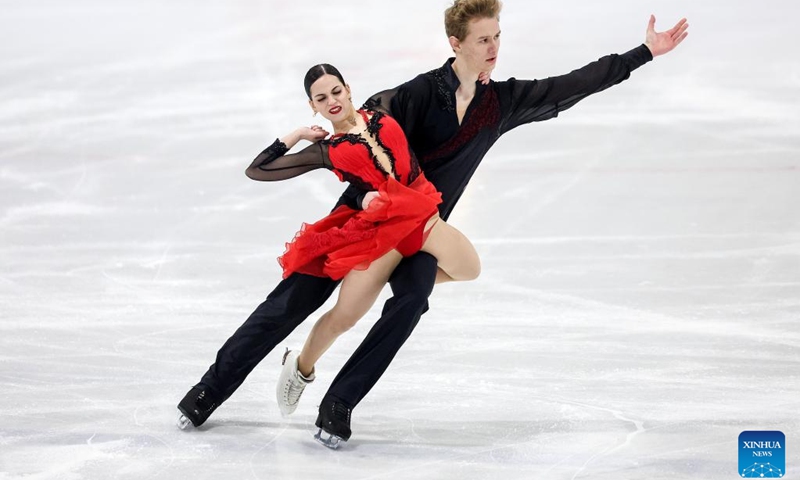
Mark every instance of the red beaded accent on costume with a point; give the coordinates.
(347, 153)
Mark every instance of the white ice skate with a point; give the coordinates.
(291, 384)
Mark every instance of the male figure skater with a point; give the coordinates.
(451, 117)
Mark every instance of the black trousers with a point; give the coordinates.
(297, 297)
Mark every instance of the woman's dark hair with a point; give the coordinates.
(317, 71)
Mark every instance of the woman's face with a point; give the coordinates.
(331, 98)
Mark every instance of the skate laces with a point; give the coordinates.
(204, 403)
(340, 412)
(294, 389)
(297, 383)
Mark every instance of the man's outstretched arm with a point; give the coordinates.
(526, 101)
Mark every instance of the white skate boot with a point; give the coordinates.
(291, 384)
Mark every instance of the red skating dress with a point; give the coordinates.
(377, 160)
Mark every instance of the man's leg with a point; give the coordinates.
(292, 301)
(412, 283)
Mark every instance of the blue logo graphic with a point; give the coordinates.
(762, 454)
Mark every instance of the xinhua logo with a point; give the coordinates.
(762, 454)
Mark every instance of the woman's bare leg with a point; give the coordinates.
(455, 254)
(359, 290)
(442, 277)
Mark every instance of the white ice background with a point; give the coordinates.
(640, 294)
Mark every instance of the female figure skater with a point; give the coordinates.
(362, 247)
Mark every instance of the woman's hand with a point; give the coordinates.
(313, 133)
(368, 198)
(484, 77)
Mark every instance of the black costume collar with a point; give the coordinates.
(450, 78)
(447, 83)
(449, 75)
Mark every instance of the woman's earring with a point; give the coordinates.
(315, 114)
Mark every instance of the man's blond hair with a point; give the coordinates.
(458, 16)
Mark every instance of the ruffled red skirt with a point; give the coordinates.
(350, 239)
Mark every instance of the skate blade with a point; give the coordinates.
(183, 422)
(328, 439)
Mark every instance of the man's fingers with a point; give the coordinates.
(652, 24)
(677, 27)
(680, 39)
(680, 32)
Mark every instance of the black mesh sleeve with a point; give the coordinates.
(528, 101)
(381, 102)
(275, 164)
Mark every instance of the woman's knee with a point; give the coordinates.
(469, 265)
(472, 269)
(339, 322)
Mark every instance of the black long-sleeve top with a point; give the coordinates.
(449, 153)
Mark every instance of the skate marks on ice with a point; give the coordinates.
(646, 369)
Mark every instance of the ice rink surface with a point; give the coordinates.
(640, 294)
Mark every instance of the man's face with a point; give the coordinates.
(481, 45)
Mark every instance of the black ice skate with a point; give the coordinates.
(334, 424)
(196, 407)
